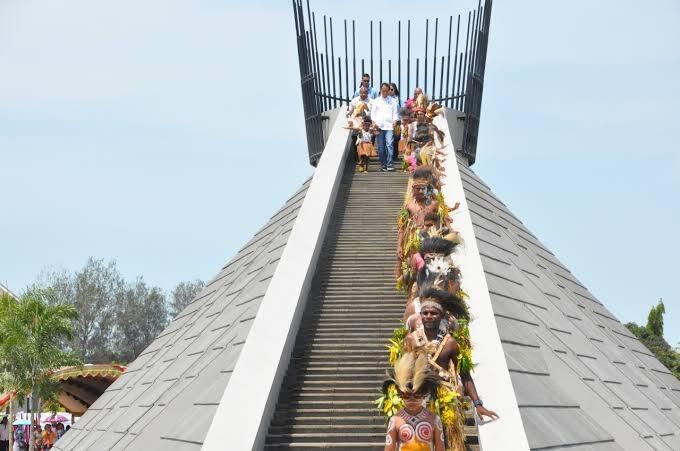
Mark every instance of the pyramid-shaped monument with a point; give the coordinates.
(285, 347)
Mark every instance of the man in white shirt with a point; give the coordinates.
(384, 115)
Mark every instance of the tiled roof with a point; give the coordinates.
(169, 394)
(581, 379)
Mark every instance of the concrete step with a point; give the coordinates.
(376, 378)
(340, 373)
(339, 437)
(330, 420)
(325, 428)
(294, 385)
(308, 412)
(367, 281)
(379, 337)
(355, 321)
(362, 396)
(361, 428)
(352, 297)
(346, 342)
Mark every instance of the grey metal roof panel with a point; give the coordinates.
(524, 359)
(598, 446)
(189, 429)
(601, 390)
(673, 416)
(534, 390)
(575, 427)
(510, 308)
(122, 443)
(673, 441)
(657, 421)
(167, 398)
(543, 311)
(517, 332)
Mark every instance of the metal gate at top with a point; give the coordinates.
(453, 80)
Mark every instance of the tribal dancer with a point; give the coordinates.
(448, 358)
(423, 139)
(420, 201)
(433, 265)
(405, 129)
(434, 229)
(413, 427)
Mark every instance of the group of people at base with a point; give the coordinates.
(429, 385)
(43, 439)
(391, 132)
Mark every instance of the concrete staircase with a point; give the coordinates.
(340, 359)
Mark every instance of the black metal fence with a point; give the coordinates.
(455, 81)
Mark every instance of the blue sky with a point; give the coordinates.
(163, 134)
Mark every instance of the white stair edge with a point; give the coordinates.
(249, 400)
(491, 375)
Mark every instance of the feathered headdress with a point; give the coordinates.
(452, 303)
(437, 245)
(412, 374)
(433, 110)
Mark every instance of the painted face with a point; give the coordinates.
(430, 317)
(412, 400)
(420, 189)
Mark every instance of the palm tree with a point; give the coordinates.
(33, 333)
(7, 303)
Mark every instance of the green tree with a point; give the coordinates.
(7, 382)
(183, 294)
(94, 291)
(141, 315)
(655, 319)
(651, 336)
(32, 332)
(117, 319)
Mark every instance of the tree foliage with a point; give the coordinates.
(32, 332)
(117, 318)
(655, 319)
(183, 294)
(651, 336)
(94, 292)
(141, 315)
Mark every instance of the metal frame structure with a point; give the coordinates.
(325, 79)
